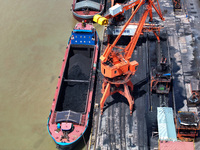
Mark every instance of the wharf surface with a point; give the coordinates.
(116, 128)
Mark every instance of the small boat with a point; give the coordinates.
(70, 111)
(86, 9)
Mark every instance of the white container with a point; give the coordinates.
(129, 31)
(115, 9)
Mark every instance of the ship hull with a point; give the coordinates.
(87, 10)
(70, 111)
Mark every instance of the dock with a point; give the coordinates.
(116, 128)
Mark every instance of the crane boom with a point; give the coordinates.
(130, 48)
(109, 48)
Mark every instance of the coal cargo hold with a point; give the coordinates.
(75, 101)
(79, 67)
(76, 77)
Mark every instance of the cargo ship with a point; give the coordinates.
(70, 112)
(86, 9)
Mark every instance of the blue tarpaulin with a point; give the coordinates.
(166, 127)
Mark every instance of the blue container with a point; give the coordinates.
(58, 126)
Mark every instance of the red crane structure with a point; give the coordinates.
(116, 66)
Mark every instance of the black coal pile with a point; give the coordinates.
(75, 97)
(79, 67)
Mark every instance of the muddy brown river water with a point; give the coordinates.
(33, 37)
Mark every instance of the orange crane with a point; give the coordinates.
(116, 66)
(177, 4)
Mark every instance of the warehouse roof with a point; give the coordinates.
(166, 127)
(170, 145)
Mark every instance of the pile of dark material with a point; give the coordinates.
(187, 118)
(75, 97)
(79, 67)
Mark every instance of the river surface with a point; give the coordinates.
(33, 37)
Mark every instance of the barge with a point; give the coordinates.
(86, 9)
(70, 111)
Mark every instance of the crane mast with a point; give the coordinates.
(116, 66)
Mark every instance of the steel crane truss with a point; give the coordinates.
(116, 66)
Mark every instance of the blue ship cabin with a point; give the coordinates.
(83, 37)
